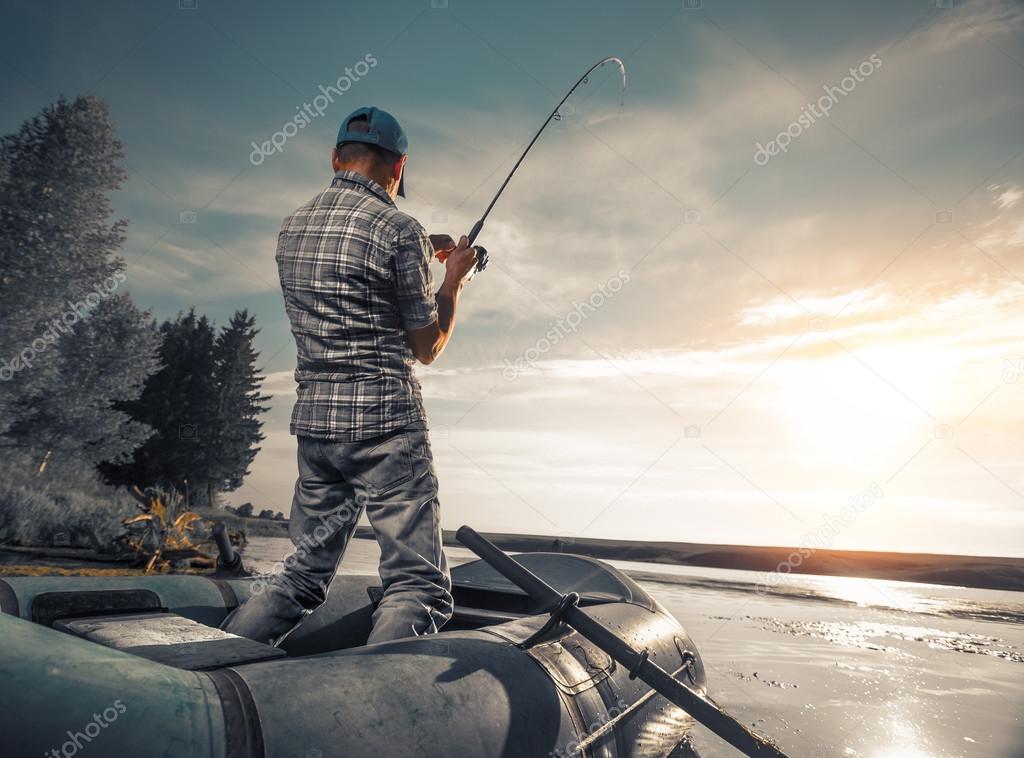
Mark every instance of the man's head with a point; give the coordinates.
(371, 143)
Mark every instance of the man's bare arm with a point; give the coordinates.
(429, 342)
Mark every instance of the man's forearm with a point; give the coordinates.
(428, 342)
(447, 303)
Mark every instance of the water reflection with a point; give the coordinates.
(903, 739)
(875, 593)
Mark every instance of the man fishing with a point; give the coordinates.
(356, 280)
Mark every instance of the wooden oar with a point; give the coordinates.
(637, 662)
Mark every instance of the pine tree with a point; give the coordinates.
(178, 403)
(239, 403)
(204, 404)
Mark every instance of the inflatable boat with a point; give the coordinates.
(136, 666)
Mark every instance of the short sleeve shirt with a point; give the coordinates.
(355, 274)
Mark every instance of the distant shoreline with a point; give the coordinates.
(981, 572)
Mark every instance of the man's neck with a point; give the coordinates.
(366, 173)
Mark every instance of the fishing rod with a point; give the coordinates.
(481, 263)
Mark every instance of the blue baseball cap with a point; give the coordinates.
(383, 130)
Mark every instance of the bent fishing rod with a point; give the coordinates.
(481, 263)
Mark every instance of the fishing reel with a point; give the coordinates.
(481, 260)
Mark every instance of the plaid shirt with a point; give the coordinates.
(355, 276)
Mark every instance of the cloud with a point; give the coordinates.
(1008, 197)
(988, 19)
(812, 320)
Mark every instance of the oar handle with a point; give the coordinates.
(702, 709)
(226, 556)
(539, 590)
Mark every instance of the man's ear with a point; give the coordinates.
(396, 170)
(335, 163)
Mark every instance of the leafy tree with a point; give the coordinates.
(70, 347)
(244, 510)
(57, 242)
(105, 361)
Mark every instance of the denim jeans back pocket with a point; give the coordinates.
(385, 465)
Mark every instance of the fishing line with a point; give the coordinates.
(481, 263)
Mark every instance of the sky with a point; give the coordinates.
(771, 296)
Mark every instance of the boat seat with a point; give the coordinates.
(169, 639)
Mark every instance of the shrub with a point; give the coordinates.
(65, 507)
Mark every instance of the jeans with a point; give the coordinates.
(390, 477)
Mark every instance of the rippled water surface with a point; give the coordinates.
(834, 666)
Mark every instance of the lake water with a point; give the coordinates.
(832, 666)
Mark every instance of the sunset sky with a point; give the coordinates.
(773, 340)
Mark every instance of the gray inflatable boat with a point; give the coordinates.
(136, 666)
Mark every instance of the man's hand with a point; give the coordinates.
(459, 263)
(443, 245)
